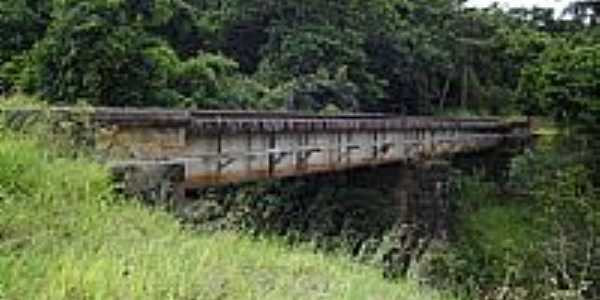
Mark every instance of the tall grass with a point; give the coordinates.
(64, 234)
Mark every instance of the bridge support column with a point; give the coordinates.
(421, 196)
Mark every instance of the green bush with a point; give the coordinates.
(536, 242)
(564, 83)
(209, 81)
(92, 53)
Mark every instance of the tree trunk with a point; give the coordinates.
(465, 88)
(444, 94)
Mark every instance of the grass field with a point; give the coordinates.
(65, 235)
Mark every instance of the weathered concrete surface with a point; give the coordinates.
(206, 148)
(216, 148)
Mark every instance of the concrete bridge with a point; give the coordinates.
(407, 165)
(179, 150)
(186, 149)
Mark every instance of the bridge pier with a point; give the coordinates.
(422, 195)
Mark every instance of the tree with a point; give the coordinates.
(584, 12)
(95, 51)
(22, 24)
(187, 30)
(564, 83)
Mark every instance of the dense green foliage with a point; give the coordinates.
(61, 232)
(538, 242)
(566, 83)
(395, 55)
(64, 234)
